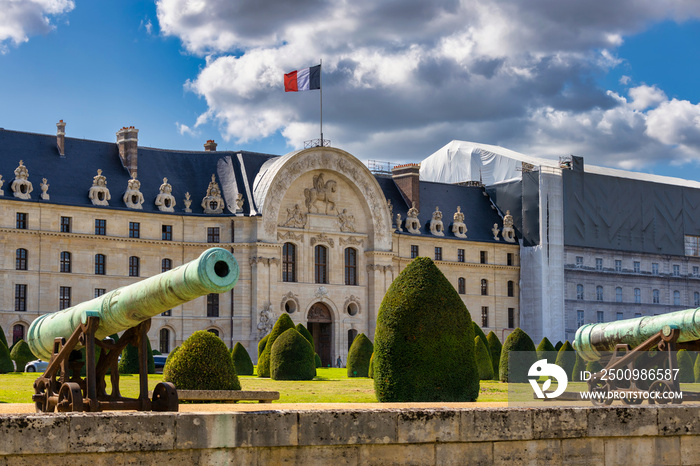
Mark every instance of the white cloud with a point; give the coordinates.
(185, 130)
(21, 19)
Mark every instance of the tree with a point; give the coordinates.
(424, 341)
(371, 366)
(520, 342)
(545, 350)
(566, 358)
(21, 355)
(483, 359)
(284, 322)
(291, 357)
(241, 360)
(358, 357)
(129, 363)
(495, 351)
(5, 360)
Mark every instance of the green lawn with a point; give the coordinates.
(330, 386)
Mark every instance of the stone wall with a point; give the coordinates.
(591, 436)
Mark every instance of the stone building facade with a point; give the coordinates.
(315, 233)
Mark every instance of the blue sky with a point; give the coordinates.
(614, 82)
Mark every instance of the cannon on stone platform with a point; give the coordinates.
(644, 345)
(56, 337)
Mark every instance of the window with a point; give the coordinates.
(579, 318)
(484, 316)
(65, 262)
(134, 230)
(483, 257)
(599, 293)
(167, 313)
(164, 341)
(20, 298)
(637, 267)
(212, 305)
(637, 296)
(21, 221)
(696, 271)
(352, 334)
(134, 266)
(65, 224)
(579, 291)
(696, 299)
(17, 333)
(438, 253)
(511, 288)
(99, 292)
(600, 317)
(213, 235)
(21, 259)
(167, 233)
(350, 266)
(579, 261)
(509, 258)
(321, 264)
(289, 262)
(619, 316)
(692, 245)
(461, 285)
(637, 314)
(100, 226)
(655, 297)
(414, 251)
(484, 287)
(100, 260)
(64, 297)
(676, 270)
(598, 263)
(654, 268)
(460, 255)
(511, 317)
(618, 267)
(676, 298)
(618, 295)
(166, 264)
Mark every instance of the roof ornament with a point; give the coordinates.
(21, 186)
(398, 222)
(412, 222)
(459, 228)
(508, 230)
(133, 197)
(239, 202)
(99, 194)
(213, 203)
(44, 189)
(165, 201)
(436, 226)
(495, 231)
(2, 182)
(188, 203)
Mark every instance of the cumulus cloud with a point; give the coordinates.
(21, 19)
(403, 77)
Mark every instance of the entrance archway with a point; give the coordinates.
(319, 322)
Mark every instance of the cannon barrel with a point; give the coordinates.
(592, 339)
(214, 271)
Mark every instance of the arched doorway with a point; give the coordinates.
(319, 323)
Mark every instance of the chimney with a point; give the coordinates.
(407, 179)
(61, 138)
(210, 146)
(128, 142)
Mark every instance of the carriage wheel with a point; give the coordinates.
(70, 398)
(597, 385)
(165, 397)
(662, 386)
(40, 397)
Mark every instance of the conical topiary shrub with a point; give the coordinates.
(317, 360)
(545, 348)
(261, 344)
(2, 338)
(305, 333)
(526, 356)
(5, 360)
(593, 366)
(129, 363)
(424, 340)
(579, 367)
(483, 359)
(241, 360)
(21, 355)
(358, 357)
(696, 369)
(291, 357)
(371, 366)
(685, 367)
(558, 346)
(284, 322)
(495, 351)
(566, 358)
(202, 363)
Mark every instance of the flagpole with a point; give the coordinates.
(320, 85)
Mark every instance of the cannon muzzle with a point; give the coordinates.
(214, 271)
(592, 339)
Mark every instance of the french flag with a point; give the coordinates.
(303, 80)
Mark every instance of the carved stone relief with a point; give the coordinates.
(133, 197)
(265, 321)
(2, 182)
(412, 222)
(99, 193)
(346, 221)
(239, 202)
(352, 305)
(436, 226)
(391, 209)
(459, 229)
(508, 230)
(21, 186)
(322, 238)
(213, 203)
(352, 242)
(45, 189)
(165, 201)
(289, 303)
(295, 218)
(289, 236)
(322, 191)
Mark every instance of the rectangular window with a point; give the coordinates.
(99, 292)
(134, 266)
(676, 270)
(22, 221)
(350, 266)
(212, 305)
(696, 271)
(637, 314)
(100, 226)
(579, 291)
(655, 298)
(600, 316)
(21, 259)
(637, 296)
(460, 255)
(483, 257)
(637, 267)
(65, 224)
(438, 254)
(618, 265)
(692, 245)
(321, 264)
(619, 316)
(414, 251)
(599, 263)
(509, 258)
(100, 261)
(64, 297)
(484, 316)
(579, 318)
(20, 298)
(213, 235)
(134, 230)
(599, 293)
(654, 268)
(167, 233)
(65, 262)
(511, 317)
(579, 261)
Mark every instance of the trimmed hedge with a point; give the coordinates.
(566, 358)
(578, 368)
(594, 366)
(170, 356)
(5, 359)
(371, 366)
(359, 355)
(241, 360)
(202, 363)
(696, 369)
(3, 339)
(495, 351)
(685, 366)
(21, 355)
(284, 323)
(129, 363)
(483, 359)
(518, 340)
(424, 340)
(261, 344)
(545, 347)
(291, 357)
(306, 334)
(317, 360)
(558, 346)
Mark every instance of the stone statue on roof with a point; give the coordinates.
(213, 203)
(459, 228)
(99, 194)
(21, 186)
(133, 197)
(165, 201)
